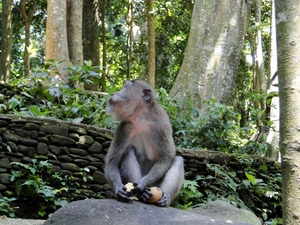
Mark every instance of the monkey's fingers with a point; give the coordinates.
(136, 189)
(145, 196)
(163, 201)
(123, 197)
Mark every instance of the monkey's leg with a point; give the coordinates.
(129, 172)
(172, 182)
(130, 168)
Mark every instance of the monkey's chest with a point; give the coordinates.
(144, 147)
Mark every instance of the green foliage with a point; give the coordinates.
(247, 183)
(43, 95)
(188, 195)
(5, 206)
(221, 183)
(42, 190)
(32, 185)
(215, 128)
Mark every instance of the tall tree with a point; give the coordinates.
(129, 20)
(288, 43)
(90, 36)
(273, 136)
(56, 34)
(215, 43)
(151, 43)
(74, 29)
(104, 45)
(6, 33)
(27, 9)
(259, 79)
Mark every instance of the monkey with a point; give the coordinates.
(143, 150)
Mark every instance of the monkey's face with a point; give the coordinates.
(130, 101)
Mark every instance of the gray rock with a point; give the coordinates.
(8, 221)
(221, 209)
(110, 211)
(61, 140)
(61, 130)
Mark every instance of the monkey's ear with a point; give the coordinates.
(146, 94)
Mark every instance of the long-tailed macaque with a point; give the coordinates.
(143, 149)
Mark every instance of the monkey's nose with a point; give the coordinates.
(111, 101)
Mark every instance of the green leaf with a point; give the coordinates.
(14, 102)
(250, 177)
(42, 212)
(264, 168)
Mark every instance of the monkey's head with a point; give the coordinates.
(135, 98)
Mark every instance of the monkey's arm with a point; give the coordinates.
(112, 170)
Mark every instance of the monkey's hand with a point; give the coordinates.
(138, 188)
(122, 195)
(145, 196)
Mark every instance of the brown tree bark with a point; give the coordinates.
(6, 43)
(288, 41)
(215, 43)
(151, 43)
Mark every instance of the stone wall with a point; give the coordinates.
(71, 147)
(67, 146)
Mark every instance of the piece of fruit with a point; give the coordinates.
(129, 186)
(156, 194)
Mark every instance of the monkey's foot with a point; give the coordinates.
(145, 196)
(163, 202)
(154, 195)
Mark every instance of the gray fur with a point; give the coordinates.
(143, 150)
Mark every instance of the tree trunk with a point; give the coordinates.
(273, 136)
(74, 28)
(215, 43)
(151, 44)
(130, 18)
(104, 47)
(259, 79)
(27, 17)
(56, 35)
(288, 41)
(6, 33)
(90, 34)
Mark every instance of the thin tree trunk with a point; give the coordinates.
(151, 44)
(259, 79)
(90, 34)
(273, 136)
(288, 42)
(104, 47)
(27, 17)
(74, 28)
(215, 43)
(6, 44)
(130, 19)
